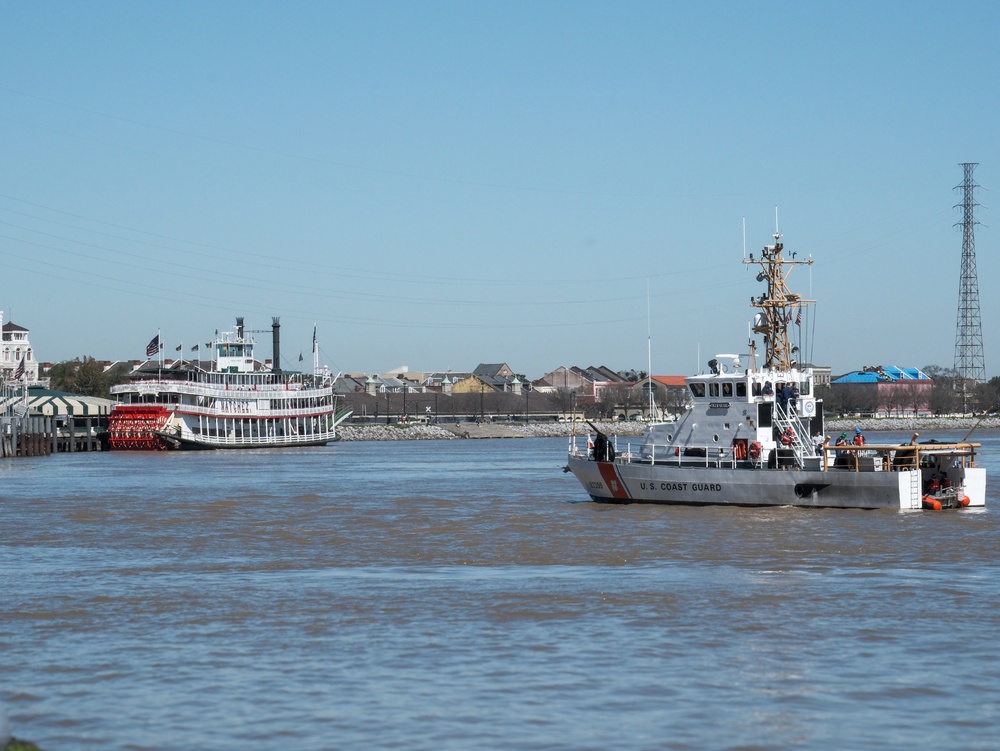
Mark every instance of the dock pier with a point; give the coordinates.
(40, 435)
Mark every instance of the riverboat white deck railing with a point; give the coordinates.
(229, 409)
(145, 388)
(270, 440)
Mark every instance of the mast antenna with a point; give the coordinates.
(779, 307)
(649, 354)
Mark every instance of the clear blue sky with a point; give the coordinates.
(440, 184)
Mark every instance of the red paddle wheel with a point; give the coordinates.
(135, 427)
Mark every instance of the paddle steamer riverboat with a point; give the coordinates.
(230, 401)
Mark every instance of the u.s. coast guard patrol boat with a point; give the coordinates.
(745, 438)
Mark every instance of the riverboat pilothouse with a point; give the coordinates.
(230, 401)
(747, 436)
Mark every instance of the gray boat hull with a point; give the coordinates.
(638, 482)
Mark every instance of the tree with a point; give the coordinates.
(832, 404)
(943, 400)
(675, 400)
(631, 400)
(890, 398)
(564, 399)
(914, 395)
(86, 377)
(858, 398)
(633, 375)
(608, 401)
(989, 395)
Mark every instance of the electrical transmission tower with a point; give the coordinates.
(970, 365)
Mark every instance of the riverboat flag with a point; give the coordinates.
(194, 348)
(798, 318)
(19, 373)
(179, 347)
(314, 341)
(153, 347)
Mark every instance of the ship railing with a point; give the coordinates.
(898, 457)
(868, 458)
(685, 456)
(681, 456)
(229, 409)
(221, 390)
(236, 440)
(801, 446)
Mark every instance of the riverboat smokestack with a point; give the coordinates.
(276, 340)
(239, 328)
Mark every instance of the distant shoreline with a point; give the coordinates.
(917, 424)
(472, 430)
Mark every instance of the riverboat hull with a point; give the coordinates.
(157, 428)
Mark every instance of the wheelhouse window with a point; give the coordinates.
(741, 389)
(698, 390)
(713, 389)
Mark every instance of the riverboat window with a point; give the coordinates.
(727, 389)
(698, 390)
(741, 390)
(756, 388)
(804, 388)
(713, 389)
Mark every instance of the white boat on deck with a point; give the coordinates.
(228, 402)
(746, 437)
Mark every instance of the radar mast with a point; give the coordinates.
(778, 306)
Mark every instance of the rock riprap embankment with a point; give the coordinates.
(447, 431)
